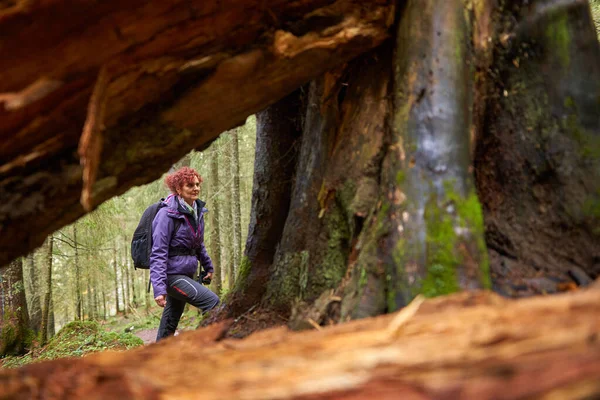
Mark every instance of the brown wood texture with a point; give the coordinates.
(467, 346)
(174, 76)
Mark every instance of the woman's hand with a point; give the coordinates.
(209, 275)
(161, 300)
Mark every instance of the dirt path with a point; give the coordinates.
(147, 335)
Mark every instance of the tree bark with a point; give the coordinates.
(277, 142)
(433, 238)
(14, 320)
(45, 323)
(168, 76)
(541, 194)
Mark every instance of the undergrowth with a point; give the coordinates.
(76, 339)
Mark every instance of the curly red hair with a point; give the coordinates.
(179, 178)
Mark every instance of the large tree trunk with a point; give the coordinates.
(168, 76)
(466, 346)
(538, 157)
(277, 134)
(14, 321)
(336, 179)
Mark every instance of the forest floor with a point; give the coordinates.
(244, 325)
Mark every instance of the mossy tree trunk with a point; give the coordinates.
(538, 158)
(429, 226)
(14, 321)
(336, 181)
(277, 141)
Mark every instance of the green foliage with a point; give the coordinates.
(77, 339)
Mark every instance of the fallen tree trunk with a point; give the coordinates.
(146, 82)
(469, 345)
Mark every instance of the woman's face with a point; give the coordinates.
(190, 191)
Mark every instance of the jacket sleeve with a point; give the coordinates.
(204, 258)
(202, 254)
(162, 226)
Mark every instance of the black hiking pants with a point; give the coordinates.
(182, 289)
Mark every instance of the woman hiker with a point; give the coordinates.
(177, 246)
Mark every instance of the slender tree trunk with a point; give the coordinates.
(116, 278)
(34, 289)
(215, 236)
(127, 277)
(147, 297)
(78, 300)
(124, 290)
(131, 273)
(47, 292)
(14, 320)
(235, 206)
(51, 331)
(104, 305)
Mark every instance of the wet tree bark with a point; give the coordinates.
(14, 321)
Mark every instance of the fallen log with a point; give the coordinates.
(473, 345)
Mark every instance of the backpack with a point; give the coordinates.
(141, 244)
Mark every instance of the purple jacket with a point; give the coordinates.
(189, 235)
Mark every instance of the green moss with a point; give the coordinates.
(559, 37)
(443, 258)
(569, 102)
(470, 216)
(333, 265)
(77, 339)
(400, 177)
(243, 274)
(442, 262)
